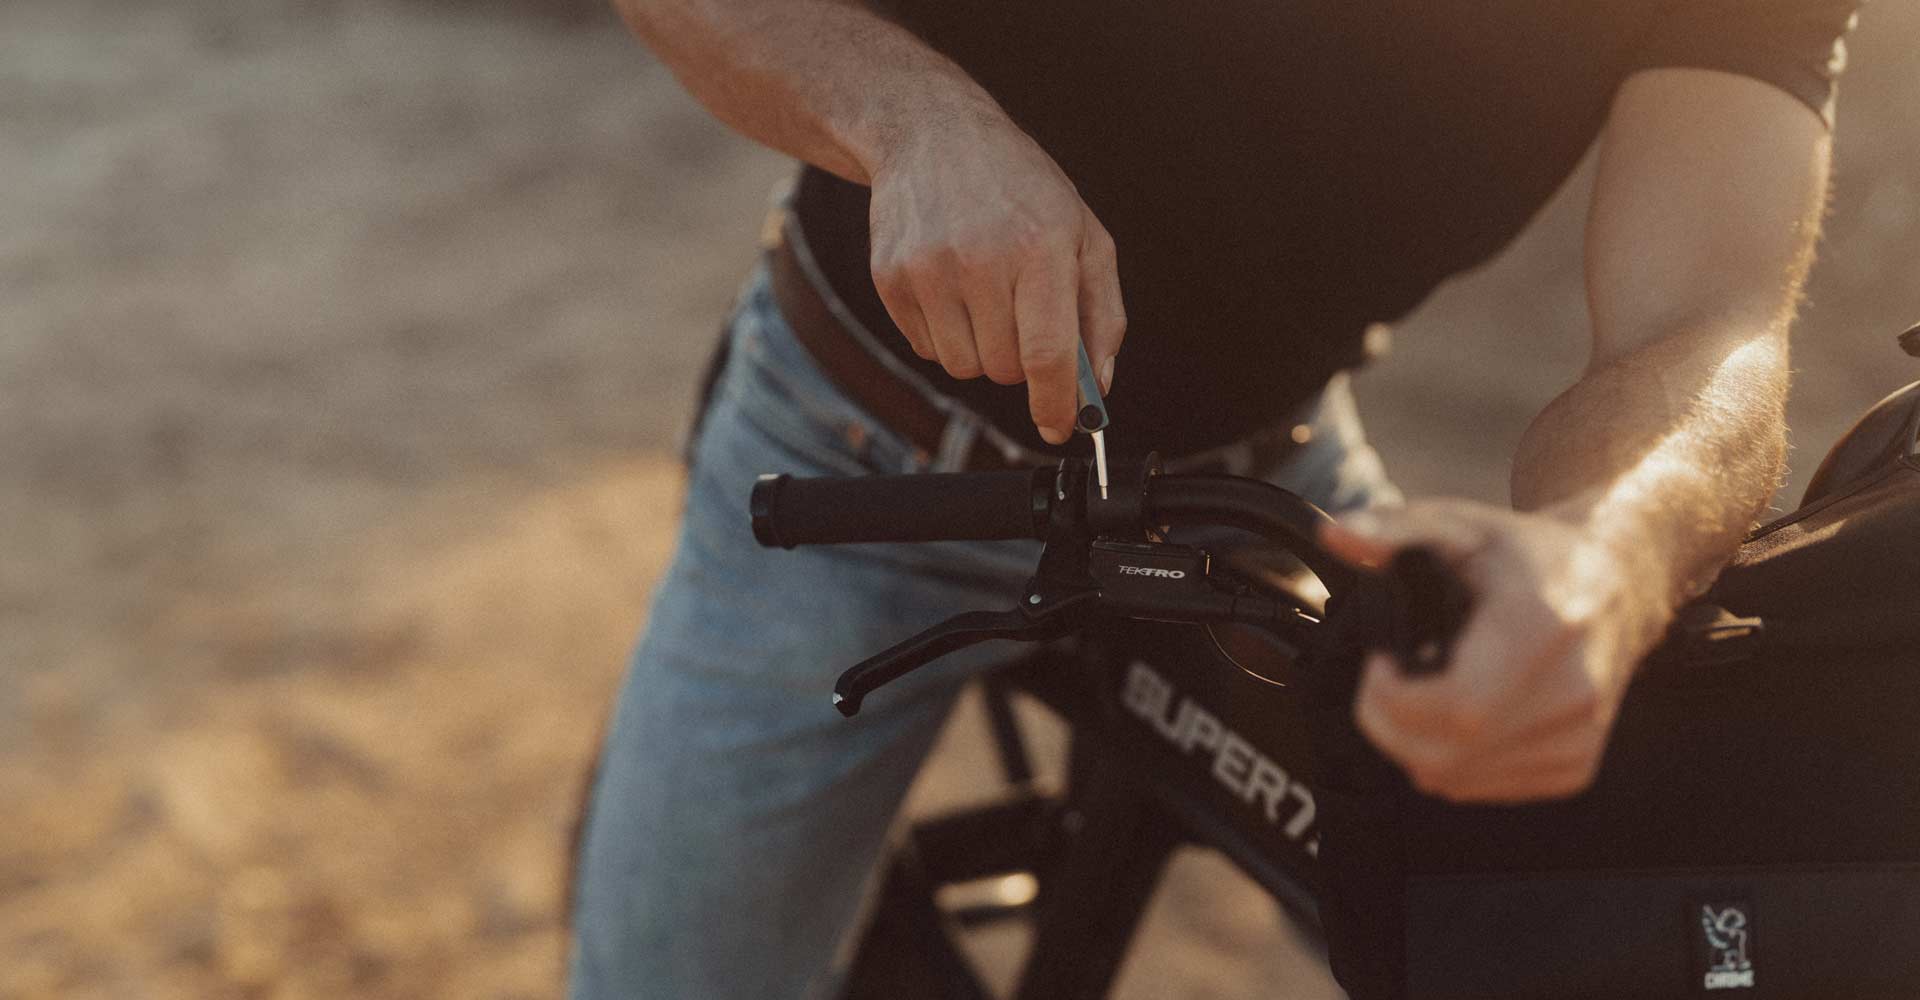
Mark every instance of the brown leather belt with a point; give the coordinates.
(902, 407)
(855, 369)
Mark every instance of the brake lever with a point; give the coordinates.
(1027, 623)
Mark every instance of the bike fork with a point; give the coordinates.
(1091, 904)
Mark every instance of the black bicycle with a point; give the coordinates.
(1755, 827)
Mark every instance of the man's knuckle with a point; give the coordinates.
(889, 275)
(980, 256)
(952, 258)
(1046, 235)
(1099, 245)
(1031, 239)
(967, 367)
(1570, 782)
(923, 267)
(1059, 211)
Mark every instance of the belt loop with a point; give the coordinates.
(957, 440)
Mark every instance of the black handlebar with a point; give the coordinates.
(987, 506)
(937, 507)
(1414, 607)
(1251, 505)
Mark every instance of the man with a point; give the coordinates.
(1245, 186)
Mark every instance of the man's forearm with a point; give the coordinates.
(1666, 454)
(1636, 484)
(828, 81)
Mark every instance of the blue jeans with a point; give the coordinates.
(736, 816)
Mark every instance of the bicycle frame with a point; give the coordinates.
(1172, 745)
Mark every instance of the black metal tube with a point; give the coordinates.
(972, 506)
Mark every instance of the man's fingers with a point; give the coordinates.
(1464, 742)
(1046, 314)
(990, 305)
(1103, 317)
(1562, 765)
(1569, 731)
(1456, 531)
(903, 306)
(950, 327)
(1354, 548)
(1535, 784)
(1485, 694)
(1485, 722)
(1424, 710)
(1558, 764)
(1403, 737)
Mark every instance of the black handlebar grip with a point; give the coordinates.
(1428, 605)
(958, 506)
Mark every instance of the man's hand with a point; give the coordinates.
(1523, 709)
(988, 260)
(983, 252)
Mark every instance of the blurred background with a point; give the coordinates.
(344, 345)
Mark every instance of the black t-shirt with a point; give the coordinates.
(1279, 174)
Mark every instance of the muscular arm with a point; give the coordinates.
(1636, 484)
(1704, 215)
(983, 252)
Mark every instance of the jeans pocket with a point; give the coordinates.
(778, 389)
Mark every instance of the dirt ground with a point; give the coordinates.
(343, 349)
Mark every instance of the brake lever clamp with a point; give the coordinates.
(1063, 568)
(1124, 511)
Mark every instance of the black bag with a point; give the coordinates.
(1755, 827)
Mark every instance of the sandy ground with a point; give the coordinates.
(343, 347)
